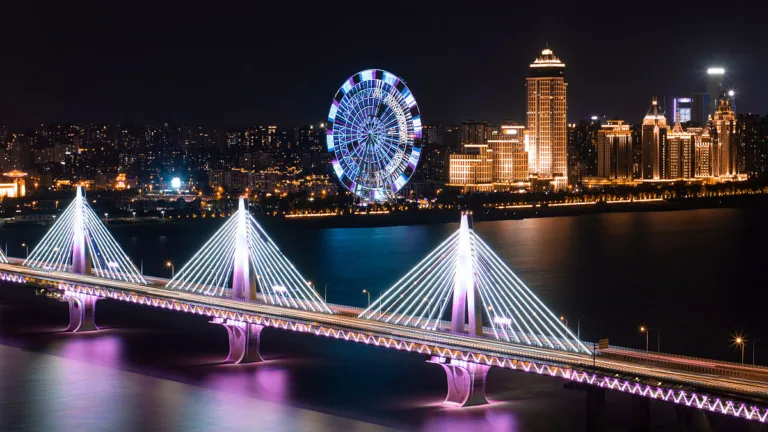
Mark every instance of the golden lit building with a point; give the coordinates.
(510, 160)
(681, 153)
(16, 188)
(546, 119)
(614, 151)
(726, 140)
(474, 166)
(470, 169)
(703, 149)
(654, 143)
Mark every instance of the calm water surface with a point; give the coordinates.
(693, 277)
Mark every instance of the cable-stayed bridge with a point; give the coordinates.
(461, 306)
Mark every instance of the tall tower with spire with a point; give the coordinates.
(654, 143)
(724, 121)
(546, 119)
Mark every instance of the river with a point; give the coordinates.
(694, 278)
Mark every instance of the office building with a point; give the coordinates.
(654, 142)
(679, 163)
(510, 160)
(682, 109)
(715, 76)
(703, 149)
(700, 108)
(724, 121)
(614, 151)
(546, 119)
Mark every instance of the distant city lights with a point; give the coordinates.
(176, 183)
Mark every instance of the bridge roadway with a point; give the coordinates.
(750, 390)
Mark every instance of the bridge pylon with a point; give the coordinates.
(240, 261)
(488, 299)
(79, 243)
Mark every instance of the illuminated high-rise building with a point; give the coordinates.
(724, 122)
(510, 160)
(682, 109)
(474, 166)
(703, 150)
(680, 153)
(654, 143)
(715, 77)
(547, 119)
(614, 151)
(700, 108)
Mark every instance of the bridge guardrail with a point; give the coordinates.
(701, 359)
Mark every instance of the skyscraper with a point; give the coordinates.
(700, 108)
(547, 119)
(679, 162)
(654, 142)
(682, 109)
(510, 161)
(703, 149)
(614, 151)
(724, 121)
(715, 77)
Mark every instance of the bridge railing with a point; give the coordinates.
(685, 357)
(444, 326)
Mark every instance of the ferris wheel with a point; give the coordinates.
(374, 132)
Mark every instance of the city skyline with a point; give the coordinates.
(228, 73)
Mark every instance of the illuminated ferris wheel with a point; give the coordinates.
(374, 134)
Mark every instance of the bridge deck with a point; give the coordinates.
(655, 368)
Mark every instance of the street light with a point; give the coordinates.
(162, 214)
(578, 328)
(740, 341)
(169, 264)
(106, 217)
(369, 297)
(134, 215)
(644, 329)
(562, 318)
(754, 347)
(25, 245)
(325, 297)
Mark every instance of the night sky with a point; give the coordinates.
(227, 65)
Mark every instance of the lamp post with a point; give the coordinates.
(162, 214)
(134, 215)
(169, 264)
(369, 297)
(578, 328)
(754, 347)
(563, 318)
(106, 217)
(644, 329)
(740, 342)
(325, 297)
(25, 245)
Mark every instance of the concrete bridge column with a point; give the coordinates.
(244, 340)
(466, 381)
(641, 414)
(82, 313)
(595, 404)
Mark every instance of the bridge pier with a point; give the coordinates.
(244, 341)
(466, 381)
(692, 419)
(595, 404)
(641, 414)
(82, 313)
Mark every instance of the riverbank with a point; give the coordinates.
(426, 217)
